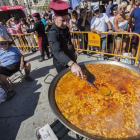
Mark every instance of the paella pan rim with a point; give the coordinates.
(64, 121)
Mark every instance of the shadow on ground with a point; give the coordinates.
(36, 58)
(21, 106)
(28, 54)
(41, 72)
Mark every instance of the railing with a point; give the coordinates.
(83, 42)
(87, 41)
(25, 42)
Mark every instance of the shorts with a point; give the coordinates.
(103, 43)
(10, 69)
(134, 41)
(119, 37)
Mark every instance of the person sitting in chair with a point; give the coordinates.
(11, 61)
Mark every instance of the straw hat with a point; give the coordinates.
(3, 39)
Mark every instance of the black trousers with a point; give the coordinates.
(85, 37)
(45, 45)
(10, 69)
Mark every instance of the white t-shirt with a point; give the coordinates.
(100, 23)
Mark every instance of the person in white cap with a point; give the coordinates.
(100, 23)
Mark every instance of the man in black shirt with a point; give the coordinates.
(42, 38)
(60, 40)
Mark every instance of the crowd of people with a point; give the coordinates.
(109, 18)
(20, 26)
(121, 18)
(102, 18)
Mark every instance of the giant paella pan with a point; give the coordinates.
(93, 115)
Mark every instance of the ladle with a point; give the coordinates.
(102, 90)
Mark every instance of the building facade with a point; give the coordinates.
(4, 2)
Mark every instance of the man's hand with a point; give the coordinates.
(21, 65)
(110, 32)
(76, 70)
(98, 32)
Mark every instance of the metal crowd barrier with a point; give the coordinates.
(25, 42)
(88, 42)
(91, 43)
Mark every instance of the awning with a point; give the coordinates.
(7, 8)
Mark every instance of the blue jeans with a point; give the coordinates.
(103, 43)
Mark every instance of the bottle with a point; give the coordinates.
(2, 96)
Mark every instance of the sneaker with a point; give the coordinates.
(29, 79)
(132, 62)
(41, 59)
(106, 57)
(98, 57)
(102, 58)
(10, 94)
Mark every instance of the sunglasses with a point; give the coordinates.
(123, 8)
(3, 43)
